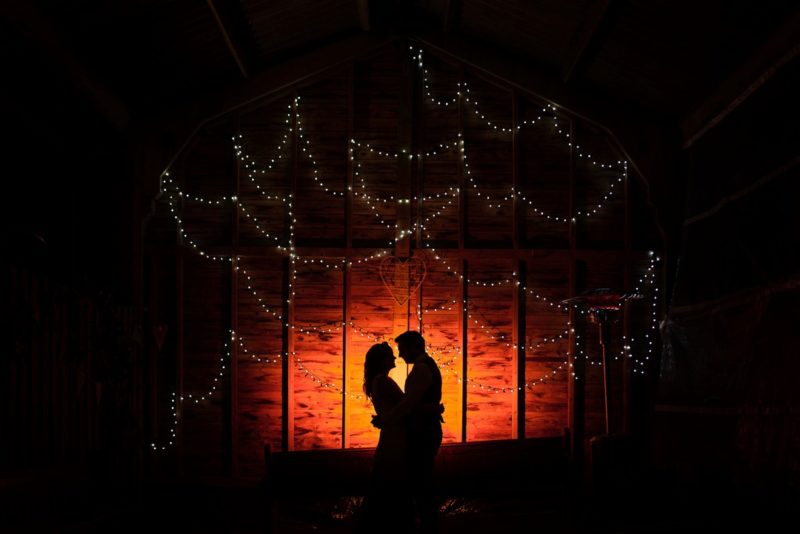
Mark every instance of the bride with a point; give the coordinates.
(388, 504)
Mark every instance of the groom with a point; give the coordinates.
(423, 424)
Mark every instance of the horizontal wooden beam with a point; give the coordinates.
(531, 254)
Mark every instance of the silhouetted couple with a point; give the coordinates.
(402, 496)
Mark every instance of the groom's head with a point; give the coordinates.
(410, 345)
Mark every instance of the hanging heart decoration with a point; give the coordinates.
(402, 276)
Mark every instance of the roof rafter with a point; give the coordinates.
(587, 38)
(221, 12)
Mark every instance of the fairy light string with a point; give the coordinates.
(178, 399)
(257, 171)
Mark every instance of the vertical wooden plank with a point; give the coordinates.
(346, 344)
(517, 210)
(153, 267)
(348, 196)
(463, 330)
(405, 143)
(520, 321)
(233, 347)
(464, 266)
(462, 185)
(519, 312)
(90, 356)
(578, 387)
(626, 316)
(50, 361)
(287, 375)
(179, 356)
(63, 375)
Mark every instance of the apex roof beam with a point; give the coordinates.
(222, 14)
(586, 40)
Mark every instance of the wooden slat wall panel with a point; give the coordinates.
(374, 205)
(490, 361)
(546, 402)
(604, 228)
(544, 173)
(488, 153)
(206, 318)
(208, 171)
(439, 125)
(71, 377)
(439, 215)
(376, 99)
(266, 141)
(324, 118)
(318, 402)
(259, 331)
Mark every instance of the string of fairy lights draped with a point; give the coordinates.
(257, 171)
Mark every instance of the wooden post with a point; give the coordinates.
(287, 369)
(463, 331)
(462, 239)
(520, 319)
(576, 396)
(520, 268)
(179, 284)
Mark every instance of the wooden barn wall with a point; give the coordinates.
(728, 402)
(71, 380)
(547, 343)
(317, 164)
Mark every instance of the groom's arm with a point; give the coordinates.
(418, 382)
